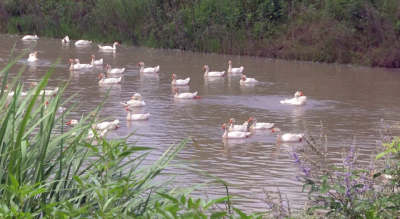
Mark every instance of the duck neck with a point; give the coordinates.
(142, 68)
(72, 66)
(230, 67)
(206, 71)
(129, 114)
(114, 47)
(254, 123)
(226, 133)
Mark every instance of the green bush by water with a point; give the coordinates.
(345, 31)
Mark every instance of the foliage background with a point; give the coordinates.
(345, 31)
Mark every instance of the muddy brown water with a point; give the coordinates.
(350, 101)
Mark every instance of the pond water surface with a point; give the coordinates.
(350, 101)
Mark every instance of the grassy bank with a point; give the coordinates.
(345, 31)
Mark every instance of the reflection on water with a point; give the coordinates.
(350, 101)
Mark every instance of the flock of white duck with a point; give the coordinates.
(231, 130)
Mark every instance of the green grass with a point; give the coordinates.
(343, 31)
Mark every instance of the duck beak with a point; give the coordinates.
(138, 64)
(223, 126)
(272, 130)
(204, 67)
(127, 109)
(100, 76)
(68, 123)
(301, 94)
(230, 121)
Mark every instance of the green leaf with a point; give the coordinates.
(341, 189)
(325, 190)
(219, 200)
(240, 213)
(14, 181)
(36, 191)
(183, 200)
(217, 215)
(174, 200)
(78, 179)
(370, 214)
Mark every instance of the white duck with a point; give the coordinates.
(234, 134)
(105, 80)
(106, 125)
(83, 65)
(212, 73)
(33, 57)
(246, 80)
(239, 128)
(136, 101)
(90, 134)
(74, 67)
(30, 37)
(287, 137)
(46, 92)
(11, 93)
(59, 110)
(185, 95)
(115, 70)
(178, 82)
(83, 42)
(136, 116)
(96, 62)
(65, 39)
(259, 125)
(299, 99)
(109, 47)
(148, 70)
(234, 70)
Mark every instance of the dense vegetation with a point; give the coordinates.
(346, 31)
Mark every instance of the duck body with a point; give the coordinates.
(299, 99)
(74, 67)
(105, 80)
(185, 95)
(212, 73)
(65, 39)
(288, 137)
(12, 93)
(30, 37)
(114, 70)
(82, 66)
(109, 47)
(143, 69)
(46, 92)
(259, 125)
(33, 57)
(246, 80)
(136, 117)
(96, 62)
(179, 82)
(235, 70)
(90, 135)
(106, 125)
(239, 128)
(234, 134)
(136, 101)
(83, 42)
